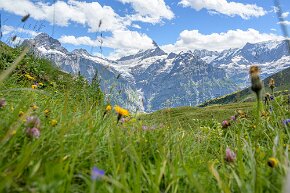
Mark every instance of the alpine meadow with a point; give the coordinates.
(153, 96)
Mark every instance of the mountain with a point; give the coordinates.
(81, 62)
(271, 56)
(153, 79)
(282, 85)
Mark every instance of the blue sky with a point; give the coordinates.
(130, 25)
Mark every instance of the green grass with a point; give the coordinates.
(183, 152)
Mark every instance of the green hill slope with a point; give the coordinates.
(282, 82)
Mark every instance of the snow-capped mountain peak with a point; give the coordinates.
(152, 79)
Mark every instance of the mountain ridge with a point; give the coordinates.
(152, 79)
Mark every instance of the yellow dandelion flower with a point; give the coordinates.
(108, 108)
(34, 107)
(46, 112)
(34, 86)
(121, 111)
(40, 84)
(272, 162)
(53, 122)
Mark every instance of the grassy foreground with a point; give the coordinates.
(173, 150)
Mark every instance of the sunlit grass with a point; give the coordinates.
(172, 150)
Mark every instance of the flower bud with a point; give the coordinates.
(255, 80)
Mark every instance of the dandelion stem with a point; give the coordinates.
(258, 108)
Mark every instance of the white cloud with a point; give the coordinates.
(245, 11)
(190, 40)
(136, 26)
(150, 11)
(77, 41)
(120, 39)
(124, 42)
(285, 14)
(128, 39)
(6, 30)
(284, 23)
(275, 9)
(63, 13)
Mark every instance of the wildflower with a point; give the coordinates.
(255, 79)
(2, 103)
(225, 124)
(286, 122)
(20, 114)
(33, 132)
(53, 122)
(241, 114)
(46, 112)
(40, 84)
(34, 86)
(25, 17)
(264, 114)
(108, 108)
(121, 112)
(32, 121)
(96, 173)
(230, 155)
(34, 107)
(272, 97)
(272, 84)
(233, 118)
(29, 77)
(267, 98)
(272, 162)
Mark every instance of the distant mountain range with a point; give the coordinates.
(153, 79)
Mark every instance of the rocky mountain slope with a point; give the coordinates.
(152, 79)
